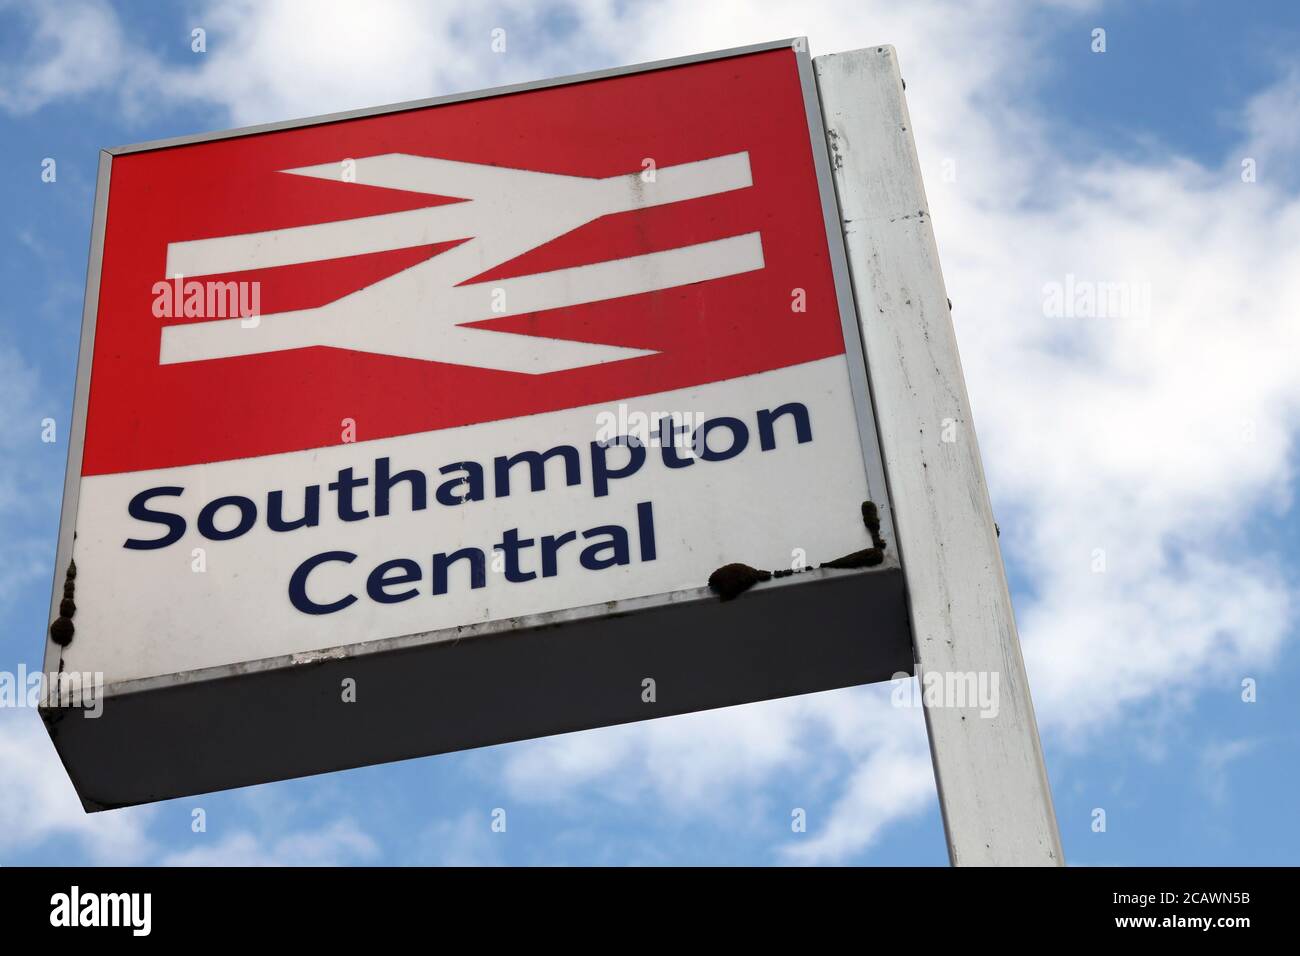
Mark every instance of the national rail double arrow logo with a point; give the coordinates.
(422, 311)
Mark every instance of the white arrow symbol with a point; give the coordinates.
(421, 311)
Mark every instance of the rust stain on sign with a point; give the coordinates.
(62, 630)
(867, 557)
(732, 580)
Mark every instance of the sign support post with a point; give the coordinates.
(993, 786)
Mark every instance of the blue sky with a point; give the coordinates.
(1108, 433)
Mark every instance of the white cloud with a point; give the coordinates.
(39, 805)
(891, 783)
(335, 844)
(1272, 136)
(276, 61)
(714, 766)
(73, 48)
(1149, 444)
(466, 840)
(1156, 441)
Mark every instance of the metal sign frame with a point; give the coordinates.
(878, 591)
(872, 460)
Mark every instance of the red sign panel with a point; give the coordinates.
(654, 231)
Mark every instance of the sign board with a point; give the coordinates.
(428, 427)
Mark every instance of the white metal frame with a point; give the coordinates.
(993, 786)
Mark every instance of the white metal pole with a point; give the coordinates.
(993, 786)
